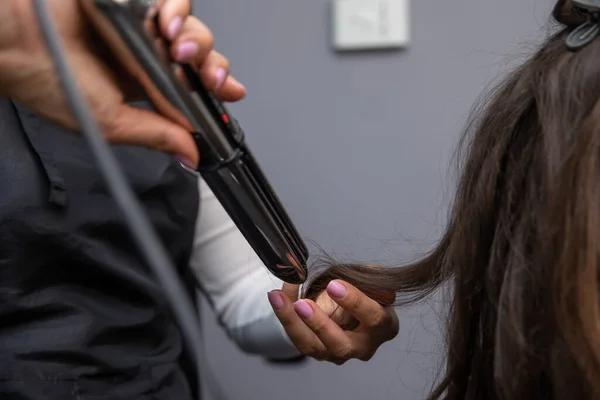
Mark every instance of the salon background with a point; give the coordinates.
(358, 146)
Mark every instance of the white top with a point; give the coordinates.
(236, 282)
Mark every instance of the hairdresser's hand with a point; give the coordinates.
(27, 74)
(343, 323)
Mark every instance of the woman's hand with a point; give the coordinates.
(341, 325)
(27, 73)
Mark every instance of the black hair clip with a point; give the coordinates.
(585, 33)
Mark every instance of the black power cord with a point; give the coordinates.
(141, 229)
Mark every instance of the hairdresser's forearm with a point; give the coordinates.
(12, 39)
(236, 282)
(8, 14)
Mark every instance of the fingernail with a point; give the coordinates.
(185, 161)
(221, 75)
(303, 309)
(186, 50)
(276, 300)
(174, 28)
(336, 289)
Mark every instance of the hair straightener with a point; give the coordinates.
(130, 29)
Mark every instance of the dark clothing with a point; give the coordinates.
(74, 321)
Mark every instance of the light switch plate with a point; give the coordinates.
(370, 24)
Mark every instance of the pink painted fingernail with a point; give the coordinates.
(221, 75)
(185, 161)
(303, 309)
(174, 28)
(336, 289)
(187, 50)
(276, 300)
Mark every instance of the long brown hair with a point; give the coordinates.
(522, 246)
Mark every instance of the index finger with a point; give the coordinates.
(136, 126)
(172, 15)
(366, 310)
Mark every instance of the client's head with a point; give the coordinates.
(522, 245)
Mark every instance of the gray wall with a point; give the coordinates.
(358, 146)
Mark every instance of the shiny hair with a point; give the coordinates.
(522, 246)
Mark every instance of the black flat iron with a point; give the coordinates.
(130, 29)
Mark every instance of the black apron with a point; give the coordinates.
(78, 319)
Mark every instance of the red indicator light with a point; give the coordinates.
(225, 118)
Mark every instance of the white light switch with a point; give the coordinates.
(370, 24)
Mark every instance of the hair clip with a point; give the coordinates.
(585, 33)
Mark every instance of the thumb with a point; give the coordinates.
(134, 126)
(291, 291)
